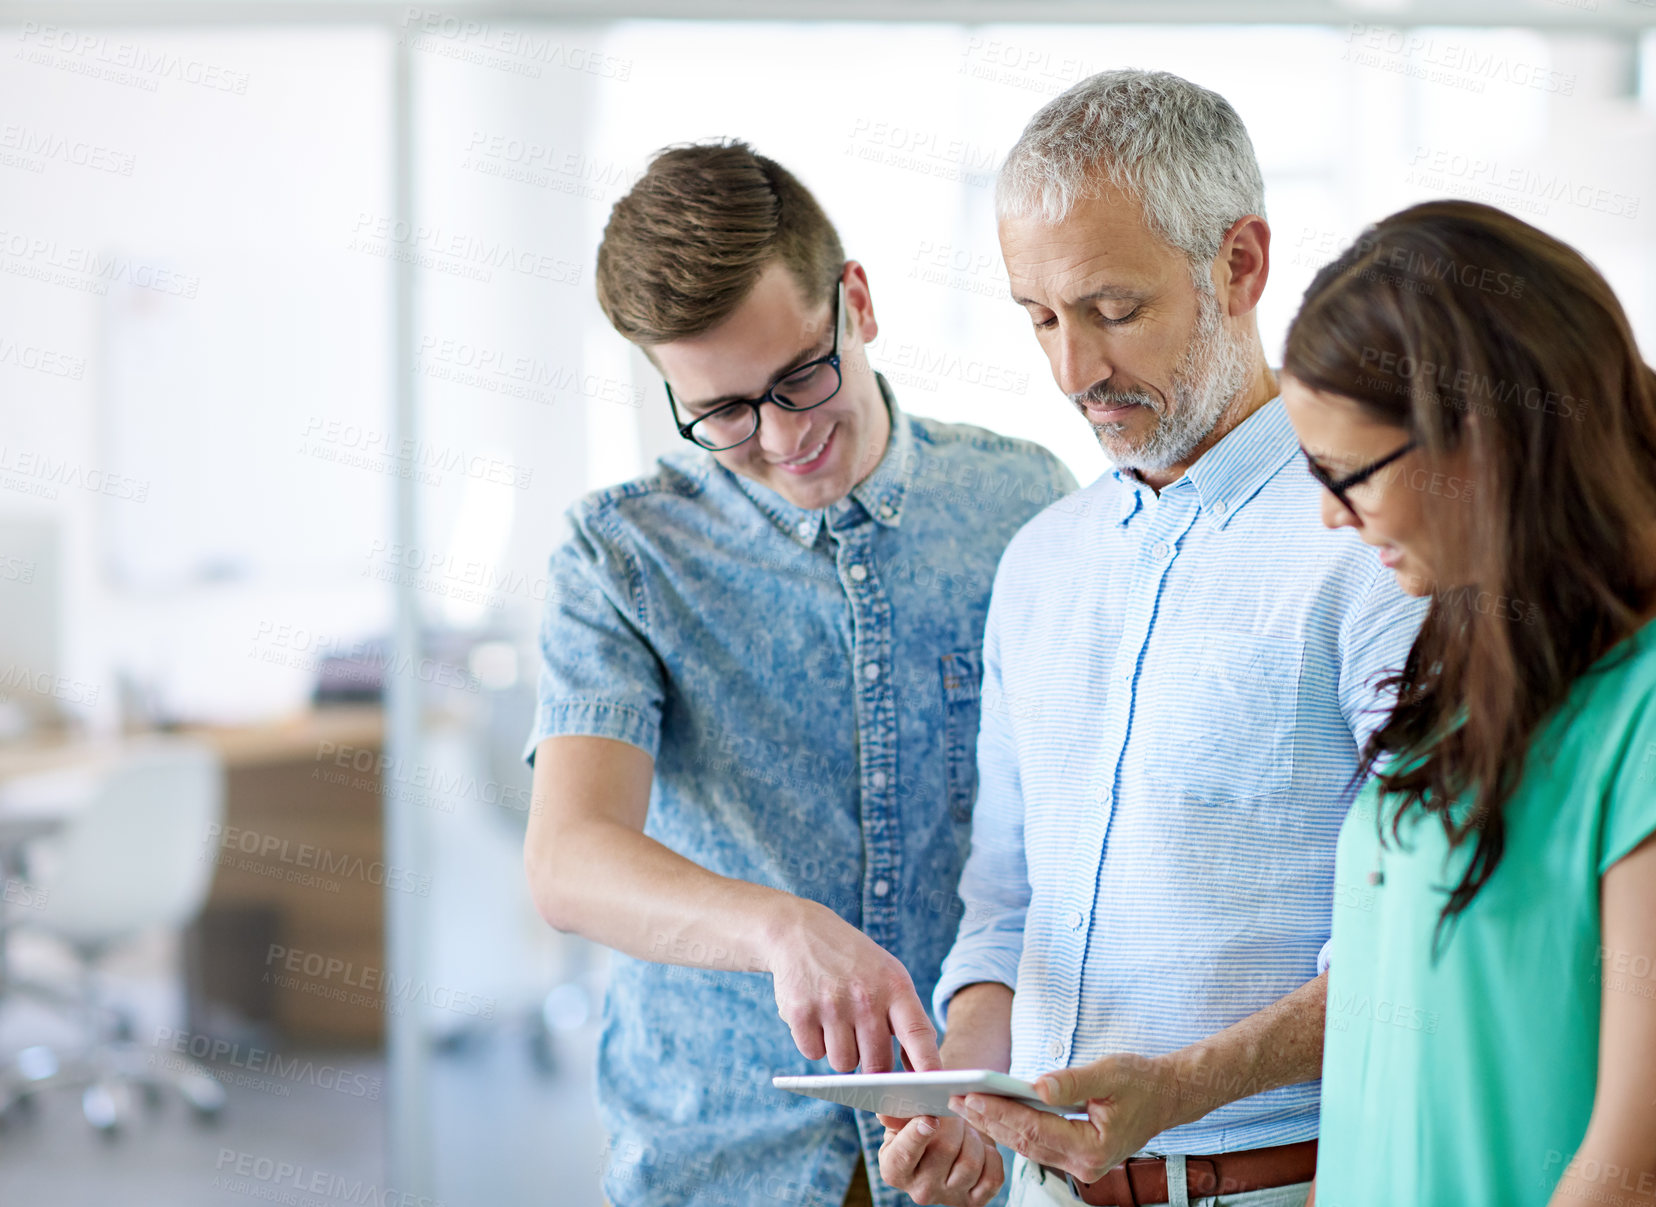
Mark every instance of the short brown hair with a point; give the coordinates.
(685, 245)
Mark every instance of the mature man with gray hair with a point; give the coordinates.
(1179, 675)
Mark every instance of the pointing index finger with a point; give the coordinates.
(915, 1034)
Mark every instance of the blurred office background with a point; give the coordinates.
(300, 365)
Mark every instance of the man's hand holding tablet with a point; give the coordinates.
(945, 1160)
(940, 1160)
(928, 1151)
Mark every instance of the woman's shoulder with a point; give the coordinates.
(1618, 692)
(1613, 726)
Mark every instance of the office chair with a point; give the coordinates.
(130, 861)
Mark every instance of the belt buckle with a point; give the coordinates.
(1075, 1187)
(1126, 1168)
(1212, 1165)
(1116, 1182)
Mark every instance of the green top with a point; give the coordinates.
(1471, 1082)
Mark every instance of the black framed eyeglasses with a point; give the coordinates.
(799, 389)
(1339, 486)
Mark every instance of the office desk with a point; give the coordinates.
(299, 864)
(298, 860)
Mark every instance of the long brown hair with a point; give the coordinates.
(1475, 331)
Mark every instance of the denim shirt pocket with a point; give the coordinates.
(962, 686)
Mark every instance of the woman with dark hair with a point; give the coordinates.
(1469, 393)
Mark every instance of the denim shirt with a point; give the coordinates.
(807, 683)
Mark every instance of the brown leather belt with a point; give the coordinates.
(1141, 1180)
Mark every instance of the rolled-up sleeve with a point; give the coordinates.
(599, 675)
(994, 885)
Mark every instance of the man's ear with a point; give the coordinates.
(860, 302)
(1242, 265)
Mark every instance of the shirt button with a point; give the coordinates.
(1056, 1049)
(1102, 793)
(887, 511)
(1075, 919)
(1160, 549)
(805, 527)
(882, 886)
(1219, 510)
(878, 779)
(858, 573)
(871, 671)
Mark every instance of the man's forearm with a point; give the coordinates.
(1279, 1045)
(594, 872)
(979, 1035)
(609, 883)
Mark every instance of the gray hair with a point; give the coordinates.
(1177, 148)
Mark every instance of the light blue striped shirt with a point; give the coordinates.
(1175, 690)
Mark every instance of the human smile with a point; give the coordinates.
(811, 459)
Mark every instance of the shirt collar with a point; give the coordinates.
(1232, 471)
(880, 494)
(883, 491)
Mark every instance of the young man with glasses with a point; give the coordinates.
(753, 750)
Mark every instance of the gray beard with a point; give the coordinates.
(1214, 371)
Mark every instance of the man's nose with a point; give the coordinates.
(782, 433)
(1079, 358)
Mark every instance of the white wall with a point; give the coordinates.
(224, 326)
(241, 431)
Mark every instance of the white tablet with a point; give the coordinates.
(906, 1095)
